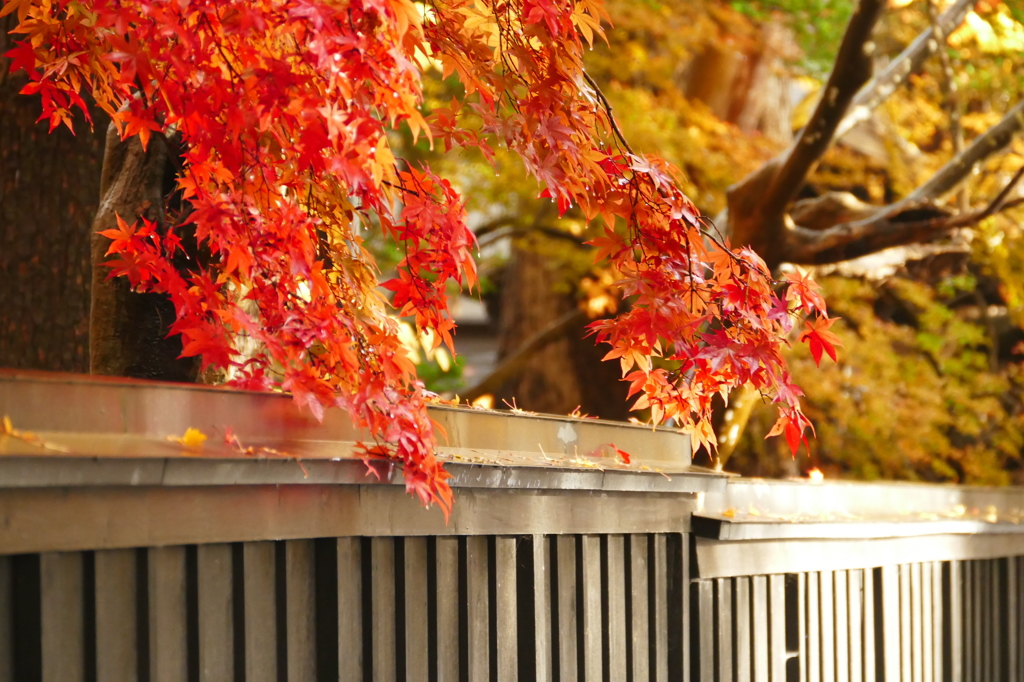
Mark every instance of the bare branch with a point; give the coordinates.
(516, 363)
(879, 88)
(852, 69)
(983, 146)
(852, 240)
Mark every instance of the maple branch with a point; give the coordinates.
(513, 365)
(852, 69)
(881, 87)
(608, 110)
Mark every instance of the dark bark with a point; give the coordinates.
(49, 190)
(565, 372)
(128, 330)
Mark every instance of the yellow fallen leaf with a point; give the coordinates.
(729, 513)
(193, 438)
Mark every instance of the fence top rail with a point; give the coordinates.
(754, 509)
(74, 430)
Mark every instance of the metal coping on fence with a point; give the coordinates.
(90, 431)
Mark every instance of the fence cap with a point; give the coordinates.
(81, 430)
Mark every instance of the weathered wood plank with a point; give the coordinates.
(447, 560)
(300, 609)
(660, 606)
(724, 626)
(890, 616)
(382, 586)
(744, 655)
(593, 624)
(478, 611)
(913, 577)
(216, 603)
(826, 587)
(706, 632)
(507, 626)
(855, 600)
(870, 658)
(639, 596)
(938, 617)
(258, 561)
(568, 646)
(61, 615)
(350, 609)
(842, 627)
(759, 619)
(542, 613)
(116, 625)
(168, 634)
(417, 625)
(777, 624)
(927, 635)
(6, 621)
(616, 624)
(1013, 669)
(802, 635)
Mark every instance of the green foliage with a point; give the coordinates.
(817, 24)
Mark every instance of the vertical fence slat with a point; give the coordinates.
(801, 616)
(116, 631)
(1012, 623)
(260, 612)
(890, 616)
(616, 579)
(6, 621)
(978, 626)
(855, 604)
(870, 660)
(966, 632)
(382, 591)
(927, 669)
(542, 613)
(350, 609)
(168, 657)
(660, 606)
(447, 560)
(777, 624)
(478, 609)
(938, 617)
(759, 618)
(814, 626)
(300, 609)
(905, 634)
(684, 607)
(705, 631)
(507, 626)
(565, 546)
(956, 622)
(826, 587)
(724, 630)
(744, 655)
(913, 577)
(640, 616)
(216, 626)
(592, 617)
(842, 626)
(61, 614)
(415, 603)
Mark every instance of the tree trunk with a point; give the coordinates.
(565, 373)
(49, 190)
(128, 330)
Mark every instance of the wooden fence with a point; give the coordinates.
(127, 556)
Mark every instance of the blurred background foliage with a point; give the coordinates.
(930, 381)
